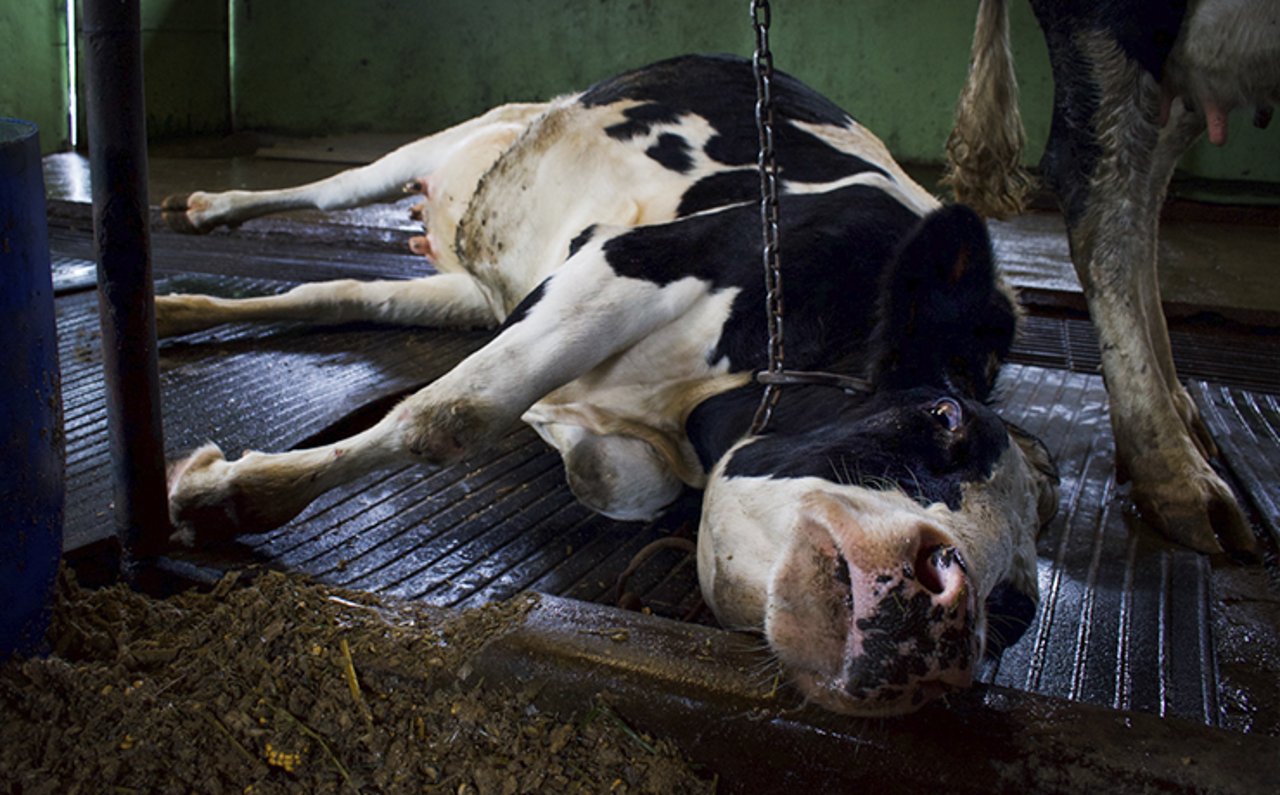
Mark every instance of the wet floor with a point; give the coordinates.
(1127, 623)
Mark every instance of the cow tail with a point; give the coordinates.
(984, 150)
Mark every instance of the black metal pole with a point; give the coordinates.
(118, 165)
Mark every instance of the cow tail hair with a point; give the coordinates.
(984, 150)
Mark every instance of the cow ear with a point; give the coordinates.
(944, 319)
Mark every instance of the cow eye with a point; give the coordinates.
(948, 413)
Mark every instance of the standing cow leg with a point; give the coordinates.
(577, 318)
(1173, 485)
(381, 180)
(1181, 130)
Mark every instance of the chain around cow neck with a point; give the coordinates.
(767, 164)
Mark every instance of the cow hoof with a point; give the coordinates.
(212, 500)
(197, 507)
(1199, 511)
(187, 214)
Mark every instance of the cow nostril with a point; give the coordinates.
(929, 563)
(842, 571)
(844, 579)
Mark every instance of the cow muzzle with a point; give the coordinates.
(872, 610)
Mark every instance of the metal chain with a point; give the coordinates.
(767, 164)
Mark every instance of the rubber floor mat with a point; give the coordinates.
(464, 535)
(1243, 358)
(1246, 426)
(1124, 617)
(266, 386)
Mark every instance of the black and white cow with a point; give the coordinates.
(1136, 82)
(612, 238)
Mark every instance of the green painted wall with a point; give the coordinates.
(329, 66)
(33, 73)
(317, 67)
(185, 48)
(188, 81)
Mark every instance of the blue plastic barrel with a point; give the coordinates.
(32, 490)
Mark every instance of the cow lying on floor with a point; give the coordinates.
(612, 238)
(1136, 82)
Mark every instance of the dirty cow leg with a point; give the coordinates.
(1181, 130)
(1152, 417)
(576, 319)
(450, 299)
(382, 180)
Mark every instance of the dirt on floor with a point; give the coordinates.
(270, 684)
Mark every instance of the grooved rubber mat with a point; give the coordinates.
(1243, 359)
(1124, 620)
(268, 386)
(1246, 426)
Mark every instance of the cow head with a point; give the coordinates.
(883, 541)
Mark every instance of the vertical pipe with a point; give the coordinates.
(31, 439)
(118, 165)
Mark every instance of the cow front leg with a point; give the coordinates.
(1152, 417)
(578, 318)
(452, 300)
(212, 499)
(575, 320)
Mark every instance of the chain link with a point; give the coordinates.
(767, 164)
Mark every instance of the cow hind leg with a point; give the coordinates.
(1181, 129)
(445, 300)
(383, 180)
(1153, 419)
